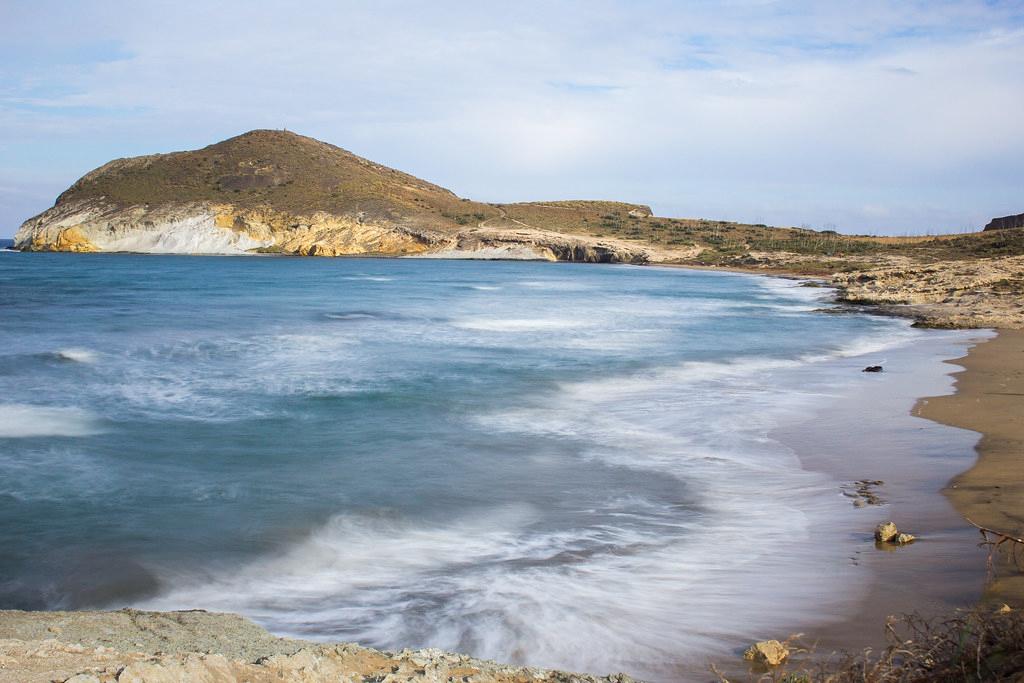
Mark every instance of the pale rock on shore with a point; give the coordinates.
(131, 646)
(954, 294)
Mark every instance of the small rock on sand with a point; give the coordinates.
(885, 532)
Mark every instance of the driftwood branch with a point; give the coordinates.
(993, 539)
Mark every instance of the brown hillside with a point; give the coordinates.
(274, 169)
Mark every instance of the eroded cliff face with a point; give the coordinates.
(204, 228)
(209, 228)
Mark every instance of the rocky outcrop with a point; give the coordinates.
(1006, 222)
(956, 294)
(552, 246)
(208, 228)
(130, 646)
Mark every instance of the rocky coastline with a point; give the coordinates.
(132, 646)
(421, 220)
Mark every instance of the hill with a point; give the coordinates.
(277, 191)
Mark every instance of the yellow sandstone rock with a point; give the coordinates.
(769, 652)
(885, 532)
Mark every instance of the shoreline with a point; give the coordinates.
(982, 492)
(989, 400)
(872, 434)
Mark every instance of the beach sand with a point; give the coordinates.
(989, 399)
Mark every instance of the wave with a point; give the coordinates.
(352, 315)
(77, 355)
(635, 579)
(490, 324)
(19, 420)
(598, 599)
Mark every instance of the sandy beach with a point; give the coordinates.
(989, 399)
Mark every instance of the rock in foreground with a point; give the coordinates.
(767, 652)
(157, 647)
(887, 532)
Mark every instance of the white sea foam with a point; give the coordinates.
(652, 589)
(350, 316)
(726, 553)
(77, 355)
(19, 420)
(490, 324)
(555, 285)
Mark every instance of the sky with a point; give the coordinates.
(884, 117)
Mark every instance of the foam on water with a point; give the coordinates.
(77, 355)
(497, 324)
(648, 589)
(19, 421)
(570, 466)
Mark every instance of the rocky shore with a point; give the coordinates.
(131, 646)
(950, 294)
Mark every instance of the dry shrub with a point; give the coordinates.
(977, 646)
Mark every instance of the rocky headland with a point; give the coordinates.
(278, 192)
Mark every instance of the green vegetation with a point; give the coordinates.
(275, 170)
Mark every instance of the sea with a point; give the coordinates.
(565, 465)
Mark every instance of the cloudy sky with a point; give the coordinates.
(892, 117)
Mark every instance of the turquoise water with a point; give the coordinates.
(568, 465)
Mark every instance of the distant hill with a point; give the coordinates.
(1006, 222)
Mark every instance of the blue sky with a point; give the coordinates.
(889, 117)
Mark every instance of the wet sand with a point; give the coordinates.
(979, 467)
(989, 399)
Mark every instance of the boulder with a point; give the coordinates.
(767, 652)
(885, 532)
